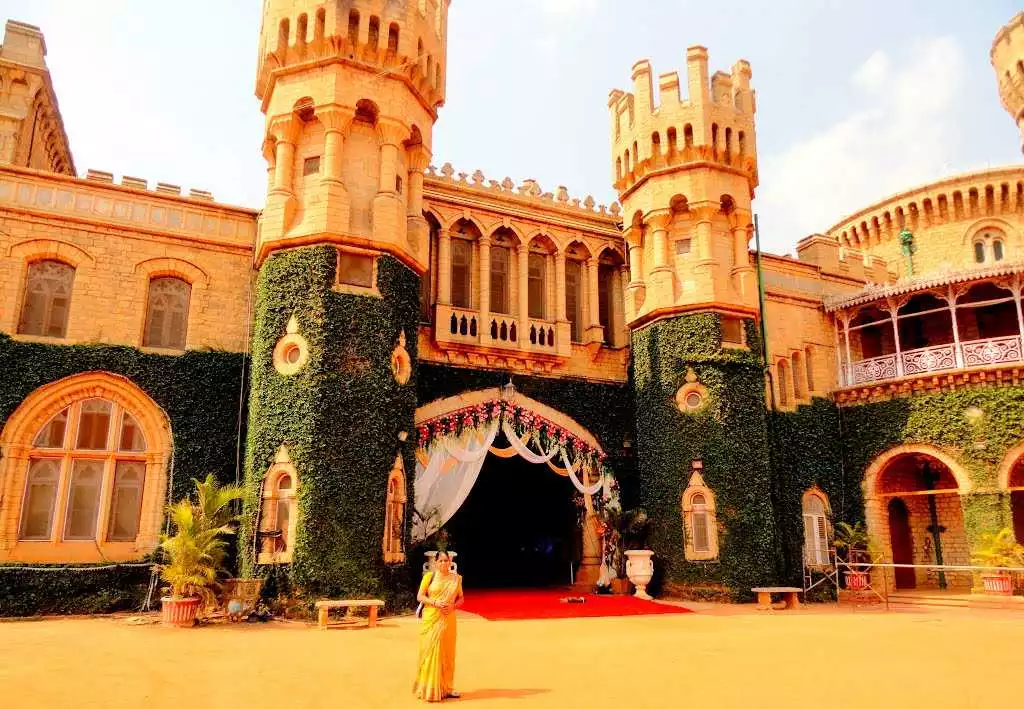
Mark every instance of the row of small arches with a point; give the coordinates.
(427, 66)
(631, 157)
(980, 203)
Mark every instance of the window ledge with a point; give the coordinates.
(167, 351)
(283, 557)
(365, 291)
(42, 339)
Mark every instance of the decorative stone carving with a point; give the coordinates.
(692, 396)
(401, 363)
(291, 353)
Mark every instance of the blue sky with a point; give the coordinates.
(855, 101)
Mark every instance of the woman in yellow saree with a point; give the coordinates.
(440, 593)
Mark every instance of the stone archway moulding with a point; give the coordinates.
(440, 407)
(1006, 467)
(882, 461)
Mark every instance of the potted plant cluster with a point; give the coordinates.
(196, 552)
(634, 529)
(998, 551)
(856, 546)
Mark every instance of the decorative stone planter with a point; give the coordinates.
(997, 584)
(179, 612)
(856, 580)
(640, 569)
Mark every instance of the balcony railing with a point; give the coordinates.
(499, 331)
(976, 353)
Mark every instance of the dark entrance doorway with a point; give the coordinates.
(517, 527)
(902, 542)
(1017, 510)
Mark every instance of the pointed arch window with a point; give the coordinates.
(699, 519)
(816, 528)
(44, 309)
(167, 313)
(394, 515)
(279, 511)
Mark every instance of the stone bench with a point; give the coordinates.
(790, 596)
(326, 606)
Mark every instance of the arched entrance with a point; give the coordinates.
(912, 504)
(515, 484)
(1011, 479)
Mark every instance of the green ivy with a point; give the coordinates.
(198, 390)
(340, 417)
(729, 434)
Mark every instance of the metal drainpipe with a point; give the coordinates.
(936, 530)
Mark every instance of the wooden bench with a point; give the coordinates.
(789, 594)
(325, 607)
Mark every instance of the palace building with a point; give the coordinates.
(387, 348)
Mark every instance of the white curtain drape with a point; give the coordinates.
(442, 485)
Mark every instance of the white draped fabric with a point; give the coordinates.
(442, 485)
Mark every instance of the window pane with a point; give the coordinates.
(131, 435)
(574, 298)
(40, 494)
(462, 281)
(83, 499)
(93, 425)
(604, 299)
(284, 513)
(815, 505)
(126, 501)
(732, 330)
(537, 285)
(979, 252)
(52, 434)
(47, 297)
(997, 250)
(809, 362)
(499, 279)
(355, 270)
(701, 540)
(167, 314)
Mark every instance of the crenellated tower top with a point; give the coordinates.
(1008, 61)
(685, 167)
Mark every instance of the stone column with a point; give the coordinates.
(523, 259)
(595, 332)
(958, 355)
(484, 245)
(286, 132)
(388, 224)
(660, 288)
(893, 310)
(849, 360)
(417, 228)
(444, 268)
(336, 213)
(563, 329)
(1016, 302)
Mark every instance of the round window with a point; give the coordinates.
(694, 400)
(292, 354)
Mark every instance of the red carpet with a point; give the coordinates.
(528, 604)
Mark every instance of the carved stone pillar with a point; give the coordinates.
(444, 268)
(388, 215)
(523, 259)
(484, 244)
(660, 287)
(337, 122)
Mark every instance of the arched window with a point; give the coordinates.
(699, 519)
(279, 513)
(373, 39)
(997, 249)
(92, 446)
(574, 297)
(538, 285)
(167, 313)
(783, 375)
(393, 38)
(809, 362)
(979, 252)
(462, 273)
(353, 27)
(816, 529)
(44, 309)
(394, 516)
(799, 391)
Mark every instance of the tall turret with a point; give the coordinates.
(1008, 60)
(685, 168)
(350, 90)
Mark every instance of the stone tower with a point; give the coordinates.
(1008, 60)
(686, 171)
(685, 167)
(350, 90)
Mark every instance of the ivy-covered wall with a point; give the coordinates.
(199, 391)
(340, 417)
(729, 434)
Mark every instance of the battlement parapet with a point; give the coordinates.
(529, 190)
(403, 38)
(712, 123)
(137, 183)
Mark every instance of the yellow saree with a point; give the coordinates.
(435, 674)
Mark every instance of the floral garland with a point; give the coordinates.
(523, 421)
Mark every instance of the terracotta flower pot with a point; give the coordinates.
(856, 580)
(640, 569)
(180, 612)
(997, 584)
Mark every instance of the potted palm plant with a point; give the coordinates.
(998, 551)
(856, 546)
(197, 550)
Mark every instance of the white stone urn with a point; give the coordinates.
(640, 569)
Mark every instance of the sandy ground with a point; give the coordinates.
(716, 658)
